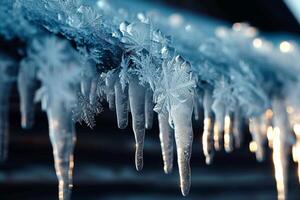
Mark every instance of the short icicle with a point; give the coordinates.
(228, 132)
(182, 118)
(27, 86)
(149, 105)
(166, 142)
(136, 94)
(219, 127)
(237, 128)
(208, 132)
(121, 98)
(258, 138)
(110, 93)
(198, 101)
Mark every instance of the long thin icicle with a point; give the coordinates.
(282, 143)
(63, 138)
(5, 89)
(182, 119)
(136, 94)
(166, 142)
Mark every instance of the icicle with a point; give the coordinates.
(237, 128)
(208, 134)
(121, 98)
(136, 94)
(63, 138)
(110, 95)
(7, 68)
(268, 118)
(5, 88)
(85, 86)
(93, 91)
(296, 148)
(228, 133)
(196, 111)
(27, 86)
(257, 145)
(149, 105)
(282, 142)
(166, 143)
(182, 118)
(198, 101)
(219, 127)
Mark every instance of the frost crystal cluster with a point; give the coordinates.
(75, 54)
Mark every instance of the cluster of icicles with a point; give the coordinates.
(233, 77)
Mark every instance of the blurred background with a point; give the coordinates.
(104, 156)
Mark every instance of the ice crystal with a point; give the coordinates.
(175, 86)
(85, 111)
(124, 72)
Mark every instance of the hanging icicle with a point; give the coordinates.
(7, 67)
(166, 142)
(208, 129)
(27, 86)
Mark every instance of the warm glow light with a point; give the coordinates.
(216, 137)
(227, 134)
(289, 109)
(295, 153)
(296, 148)
(205, 140)
(253, 146)
(176, 20)
(207, 122)
(296, 129)
(257, 43)
(279, 164)
(237, 27)
(285, 47)
(299, 172)
(245, 29)
(269, 114)
(270, 136)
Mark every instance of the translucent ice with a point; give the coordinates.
(282, 143)
(149, 105)
(7, 65)
(121, 97)
(136, 94)
(208, 132)
(166, 137)
(63, 138)
(182, 119)
(27, 86)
